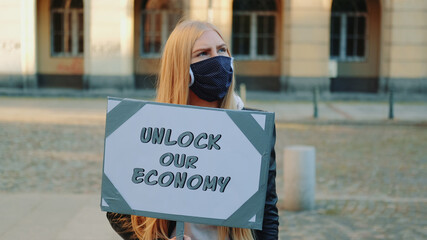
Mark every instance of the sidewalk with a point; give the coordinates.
(251, 95)
(285, 111)
(39, 216)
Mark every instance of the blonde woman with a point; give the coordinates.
(197, 69)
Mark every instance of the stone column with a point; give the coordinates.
(109, 56)
(223, 18)
(198, 10)
(404, 41)
(86, 44)
(28, 43)
(306, 44)
(18, 43)
(285, 45)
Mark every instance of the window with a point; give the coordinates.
(67, 28)
(253, 33)
(158, 19)
(348, 30)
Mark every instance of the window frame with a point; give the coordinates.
(164, 29)
(342, 57)
(74, 32)
(253, 39)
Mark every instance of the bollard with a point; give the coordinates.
(391, 105)
(299, 178)
(315, 100)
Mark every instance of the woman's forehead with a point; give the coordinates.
(208, 39)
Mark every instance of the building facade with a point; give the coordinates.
(278, 45)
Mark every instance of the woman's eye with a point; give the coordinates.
(202, 54)
(222, 50)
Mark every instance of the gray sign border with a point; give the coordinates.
(261, 139)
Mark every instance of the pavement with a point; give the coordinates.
(35, 169)
(41, 216)
(338, 107)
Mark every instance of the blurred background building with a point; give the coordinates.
(278, 45)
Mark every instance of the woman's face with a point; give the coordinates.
(208, 45)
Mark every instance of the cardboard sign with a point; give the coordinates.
(186, 163)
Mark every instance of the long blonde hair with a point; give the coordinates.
(152, 228)
(173, 87)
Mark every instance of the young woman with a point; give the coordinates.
(197, 69)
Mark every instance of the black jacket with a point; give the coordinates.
(270, 227)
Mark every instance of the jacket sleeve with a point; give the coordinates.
(121, 223)
(270, 226)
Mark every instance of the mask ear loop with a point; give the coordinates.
(191, 78)
(231, 63)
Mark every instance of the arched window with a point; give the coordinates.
(348, 30)
(253, 33)
(67, 27)
(158, 19)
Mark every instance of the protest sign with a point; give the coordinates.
(186, 163)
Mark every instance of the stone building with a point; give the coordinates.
(278, 45)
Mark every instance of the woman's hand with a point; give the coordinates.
(185, 238)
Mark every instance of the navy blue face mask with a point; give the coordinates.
(211, 78)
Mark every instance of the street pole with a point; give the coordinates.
(315, 99)
(391, 105)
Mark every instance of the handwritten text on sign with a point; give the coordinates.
(179, 179)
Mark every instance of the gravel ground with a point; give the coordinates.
(51, 145)
(371, 179)
(364, 160)
(351, 160)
